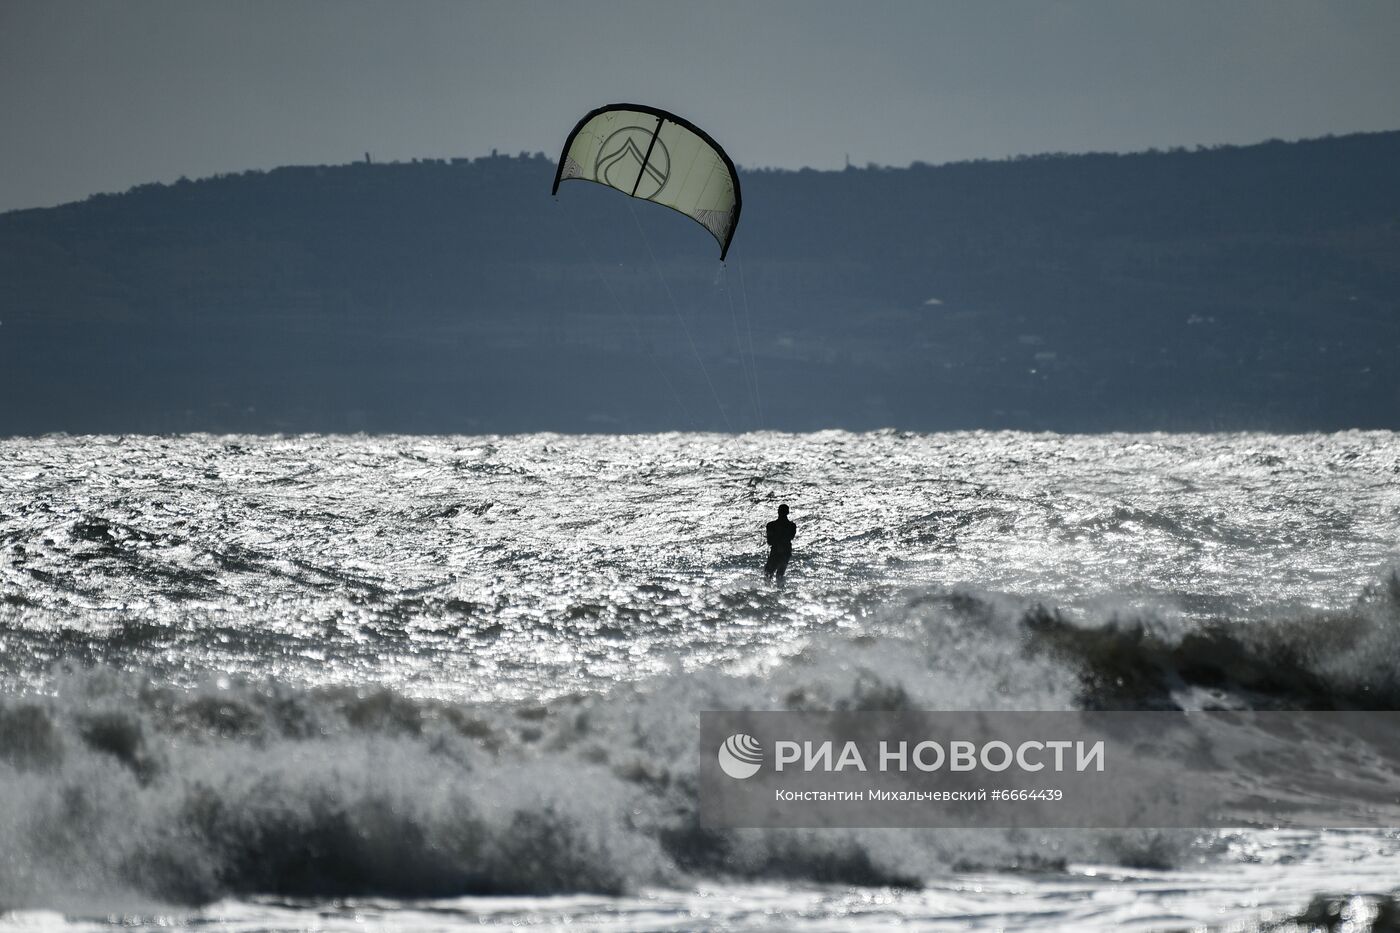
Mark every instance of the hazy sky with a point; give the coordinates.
(98, 96)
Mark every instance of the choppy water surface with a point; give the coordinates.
(356, 680)
(529, 566)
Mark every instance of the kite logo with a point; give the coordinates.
(623, 162)
(740, 756)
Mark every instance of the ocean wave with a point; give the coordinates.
(1321, 660)
(116, 792)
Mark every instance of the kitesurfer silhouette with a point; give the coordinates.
(780, 533)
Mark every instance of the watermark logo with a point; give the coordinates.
(740, 756)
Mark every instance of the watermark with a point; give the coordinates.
(740, 756)
(1050, 769)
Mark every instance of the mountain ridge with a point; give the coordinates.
(1232, 287)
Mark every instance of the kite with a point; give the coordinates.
(656, 156)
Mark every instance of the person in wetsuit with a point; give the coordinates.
(780, 533)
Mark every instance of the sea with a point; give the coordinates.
(256, 683)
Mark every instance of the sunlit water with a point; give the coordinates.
(267, 683)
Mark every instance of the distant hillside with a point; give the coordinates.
(1235, 287)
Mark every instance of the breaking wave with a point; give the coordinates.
(1321, 660)
(119, 793)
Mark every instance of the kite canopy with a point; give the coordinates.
(656, 156)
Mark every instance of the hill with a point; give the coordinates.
(1224, 288)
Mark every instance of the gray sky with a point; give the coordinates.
(98, 95)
